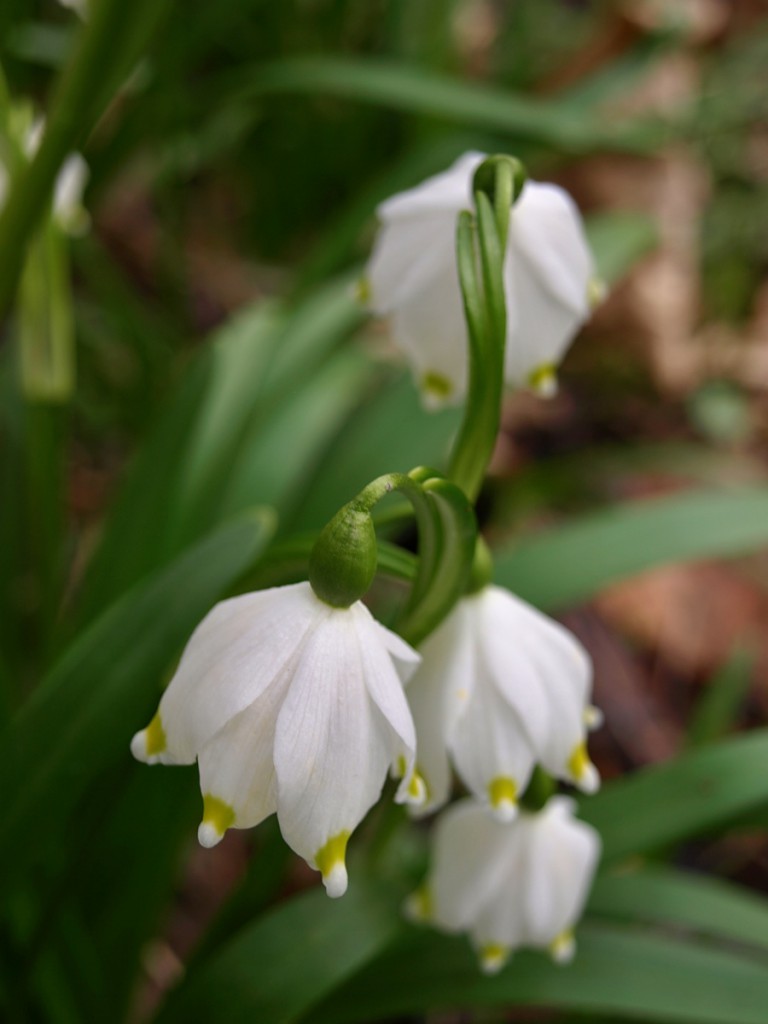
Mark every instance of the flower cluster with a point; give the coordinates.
(510, 886)
(296, 701)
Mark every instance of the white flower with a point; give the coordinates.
(510, 885)
(549, 278)
(501, 687)
(293, 706)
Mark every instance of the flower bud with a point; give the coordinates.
(486, 177)
(343, 561)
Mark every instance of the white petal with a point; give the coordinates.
(542, 671)
(547, 230)
(447, 192)
(499, 622)
(236, 765)
(385, 690)
(491, 749)
(562, 856)
(438, 695)
(470, 858)
(431, 332)
(407, 257)
(406, 660)
(331, 748)
(239, 649)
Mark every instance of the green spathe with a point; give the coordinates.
(343, 561)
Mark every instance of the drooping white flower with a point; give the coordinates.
(549, 281)
(510, 885)
(294, 706)
(500, 688)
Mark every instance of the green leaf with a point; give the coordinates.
(618, 241)
(667, 896)
(718, 706)
(616, 971)
(666, 803)
(288, 960)
(578, 559)
(278, 454)
(175, 490)
(415, 91)
(80, 720)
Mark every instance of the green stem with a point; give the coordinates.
(481, 245)
(344, 558)
(108, 46)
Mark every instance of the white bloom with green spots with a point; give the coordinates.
(510, 885)
(501, 687)
(294, 706)
(549, 281)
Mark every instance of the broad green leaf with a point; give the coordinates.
(288, 960)
(578, 559)
(616, 972)
(700, 904)
(81, 718)
(415, 91)
(700, 790)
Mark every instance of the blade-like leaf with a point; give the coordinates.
(695, 902)
(616, 972)
(415, 91)
(670, 802)
(81, 718)
(578, 559)
(274, 971)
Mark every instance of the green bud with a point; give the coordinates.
(500, 172)
(343, 561)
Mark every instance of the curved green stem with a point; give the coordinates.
(344, 557)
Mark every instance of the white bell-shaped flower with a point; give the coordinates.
(500, 688)
(412, 277)
(294, 706)
(510, 885)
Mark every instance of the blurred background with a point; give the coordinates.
(233, 181)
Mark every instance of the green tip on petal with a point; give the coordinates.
(597, 290)
(419, 906)
(436, 386)
(502, 794)
(363, 293)
(543, 380)
(493, 956)
(563, 948)
(150, 744)
(329, 861)
(155, 739)
(218, 816)
(582, 771)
